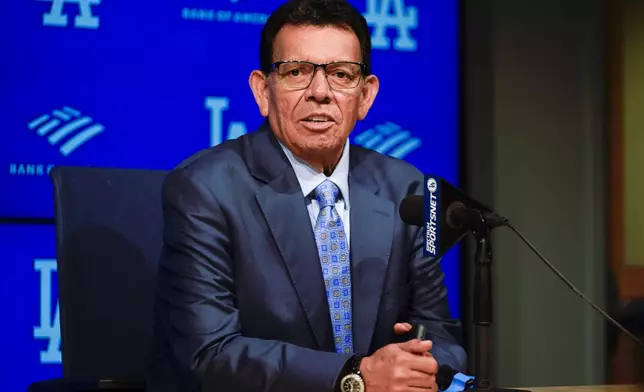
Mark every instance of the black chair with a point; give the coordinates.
(108, 240)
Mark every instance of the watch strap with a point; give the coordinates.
(352, 366)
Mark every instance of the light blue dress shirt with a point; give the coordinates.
(309, 179)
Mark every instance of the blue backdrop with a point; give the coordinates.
(145, 84)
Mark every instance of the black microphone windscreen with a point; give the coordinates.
(445, 376)
(412, 210)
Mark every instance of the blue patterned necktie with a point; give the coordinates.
(336, 268)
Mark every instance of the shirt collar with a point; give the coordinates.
(309, 178)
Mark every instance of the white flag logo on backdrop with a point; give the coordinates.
(85, 18)
(388, 138)
(66, 127)
(392, 14)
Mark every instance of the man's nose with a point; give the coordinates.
(319, 88)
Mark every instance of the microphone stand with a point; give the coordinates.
(481, 229)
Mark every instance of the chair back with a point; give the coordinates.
(108, 240)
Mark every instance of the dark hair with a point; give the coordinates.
(316, 13)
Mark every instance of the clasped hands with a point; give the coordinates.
(401, 367)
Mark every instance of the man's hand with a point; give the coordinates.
(402, 328)
(400, 367)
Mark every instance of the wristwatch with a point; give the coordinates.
(351, 378)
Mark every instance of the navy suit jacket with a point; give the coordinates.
(240, 302)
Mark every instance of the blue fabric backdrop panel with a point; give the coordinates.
(145, 84)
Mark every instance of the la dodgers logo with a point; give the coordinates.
(217, 106)
(385, 14)
(85, 18)
(49, 327)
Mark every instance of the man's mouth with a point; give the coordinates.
(318, 119)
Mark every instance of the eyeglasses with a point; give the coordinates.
(341, 75)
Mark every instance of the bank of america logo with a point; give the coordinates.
(388, 138)
(67, 128)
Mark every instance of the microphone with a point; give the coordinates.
(457, 215)
(447, 214)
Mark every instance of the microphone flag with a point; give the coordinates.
(440, 232)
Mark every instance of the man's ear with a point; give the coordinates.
(368, 95)
(259, 84)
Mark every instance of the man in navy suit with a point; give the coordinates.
(285, 265)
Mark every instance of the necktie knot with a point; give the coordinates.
(327, 193)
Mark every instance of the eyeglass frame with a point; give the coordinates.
(363, 71)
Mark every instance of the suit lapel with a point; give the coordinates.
(285, 212)
(372, 225)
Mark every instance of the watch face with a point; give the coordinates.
(352, 383)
